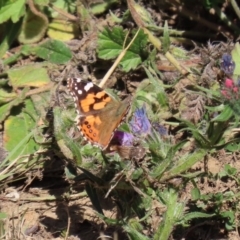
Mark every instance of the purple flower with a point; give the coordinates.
(227, 64)
(140, 124)
(123, 138)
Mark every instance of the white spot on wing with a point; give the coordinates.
(79, 92)
(88, 86)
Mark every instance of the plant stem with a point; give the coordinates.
(235, 7)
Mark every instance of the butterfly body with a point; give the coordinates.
(98, 113)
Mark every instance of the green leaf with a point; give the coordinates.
(137, 173)
(134, 234)
(230, 219)
(236, 58)
(101, 7)
(195, 193)
(92, 177)
(166, 38)
(30, 75)
(111, 44)
(225, 115)
(234, 104)
(66, 6)
(231, 171)
(92, 193)
(61, 30)
(173, 213)
(115, 18)
(6, 96)
(54, 51)
(141, 15)
(5, 109)
(10, 32)
(216, 132)
(70, 171)
(202, 141)
(185, 163)
(12, 166)
(189, 216)
(10, 9)
(16, 127)
(68, 147)
(33, 28)
(232, 147)
(161, 168)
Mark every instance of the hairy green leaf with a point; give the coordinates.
(11, 10)
(53, 51)
(17, 126)
(30, 75)
(111, 44)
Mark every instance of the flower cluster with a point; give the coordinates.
(140, 127)
(140, 124)
(227, 64)
(123, 138)
(230, 89)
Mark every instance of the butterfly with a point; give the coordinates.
(98, 114)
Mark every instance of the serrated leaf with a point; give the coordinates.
(11, 10)
(111, 41)
(16, 127)
(54, 51)
(130, 61)
(29, 75)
